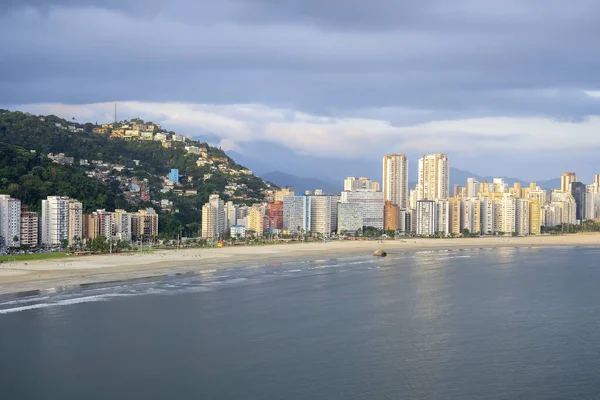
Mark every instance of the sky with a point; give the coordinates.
(504, 88)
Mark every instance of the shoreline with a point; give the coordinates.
(41, 275)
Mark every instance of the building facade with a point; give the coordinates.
(433, 177)
(10, 222)
(395, 179)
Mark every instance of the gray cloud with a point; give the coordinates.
(406, 62)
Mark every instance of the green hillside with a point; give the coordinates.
(105, 172)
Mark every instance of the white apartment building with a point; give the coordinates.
(372, 205)
(122, 225)
(55, 220)
(434, 177)
(426, 218)
(487, 216)
(471, 214)
(552, 214)
(214, 224)
(10, 221)
(395, 179)
(473, 187)
(350, 218)
(296, 214)
(508, 224)
(323, 212)
(443, 217)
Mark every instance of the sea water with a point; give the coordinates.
(480, 324)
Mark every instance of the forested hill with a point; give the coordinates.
(121, 165)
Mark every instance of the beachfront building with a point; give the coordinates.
(390, 216)
(454, 205)
(10, 222)
(522, 217)
(323, 214)
(75, 228)
(296, 214)
(231, 214)
(395, 179)
(274, 217)
(122, 225)
(434, 177)
(350, 218)
(372, 205)
(214, 223)
(471, 214)
(55, 220)
(535, 218)
(486, 216)
(508, 213)
(426, 217)
(256, 219)
(442, 217)
(144, 223)
(29, 228)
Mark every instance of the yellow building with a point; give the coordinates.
(256, 220)
(284, 192)
(535, 218)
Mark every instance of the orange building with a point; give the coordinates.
(390, 216)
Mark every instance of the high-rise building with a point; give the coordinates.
(29, 228)
(442, 217)
(426, 217)
(372, 205)
(390, 216)
(471, 214)
(552, 214)
(55, 220)
(535, 218)
(376, 186)
(274, 216)
(10, 222)
(487, 216)
(122, 225)
(473, 187)
(537, 195)
(498, 186)
(567, 203)
(457, 190)
(144, 223)
(395, 179)
(323, 214)
(578, 190)
(256, 219)
(508, 216)
(354, 183)
(91, 226)
(566, 180)
(231, 215)
(174, 175)
(105, 223)
(455, 216)
(522, 217)
(350, 218)
(296, 214)
(75, 229)
(434, 177)
(214, 226)
(597, 179)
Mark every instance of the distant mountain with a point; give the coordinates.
(458, 176)
(299, 184)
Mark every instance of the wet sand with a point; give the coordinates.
(45, 274)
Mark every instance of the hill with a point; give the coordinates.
(121, 165)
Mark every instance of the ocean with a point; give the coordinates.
(507, 323)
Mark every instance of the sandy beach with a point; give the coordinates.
(46, 274)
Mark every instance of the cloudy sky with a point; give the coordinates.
(506, 87)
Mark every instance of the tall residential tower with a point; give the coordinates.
(395, 179)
